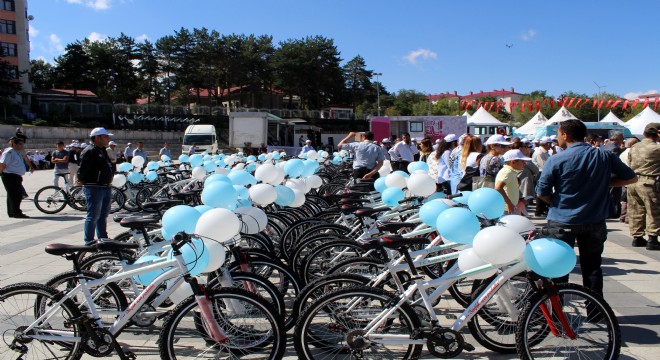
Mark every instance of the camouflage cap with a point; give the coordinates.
(652, 128)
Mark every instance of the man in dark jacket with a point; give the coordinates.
(95, 175)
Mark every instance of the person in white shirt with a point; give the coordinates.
(541, 153)
(404, 150)
(439, 163)
(308, 146)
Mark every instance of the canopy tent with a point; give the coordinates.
(534, 123)
(467, 114)
(562, 115)
(637, 124)
(610, 118)
(483, 117)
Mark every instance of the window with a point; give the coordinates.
(8, 49)
(8, 5)
(417, 126)
(7, 26)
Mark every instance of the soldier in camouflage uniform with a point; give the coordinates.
(644, 196)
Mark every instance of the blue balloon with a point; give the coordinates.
(403, 173)
(261, 157)
(251, 158)
(202, 208)
(195, 255)
(285, 195)
(550, 258)
(434, 196)
(463, 199)
(152, 165)
(251, 167)
(487, 202)
(125, 167)
(458, 225)
(243, 203)
(152, 176)
(276, 156)
(242, 177)
(135, 177)
(336, 160)
(311, 166)
(210, 166)
(294, 167)
(220, 163)
(180, 218)
(219, 194)
(241, 191)
(217, 177)
(380, 185)
(418, 165)
(165, 158)
(196, 160)
(206, 157)
(147, 278)
(391, 196)
(184, 159)
(430, 211)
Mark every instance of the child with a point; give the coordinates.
(506, 181)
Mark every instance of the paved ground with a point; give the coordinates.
(632, 285)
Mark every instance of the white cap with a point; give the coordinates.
(437, 141)
(99, 131)
(83, 145)
(545, 140)
(387, 140)
(514, 154)
(461, 139)
(497, 139)
(413, 139)
(450, 137)
(74, 145)
(112, 143)
(553, 137)
(308, 141)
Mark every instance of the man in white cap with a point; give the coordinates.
(506, 181)
(112, 154)
(385, 146)
(308, 146)
(95, 175)
(128, 152)
(539, 157)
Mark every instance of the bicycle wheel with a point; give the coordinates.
(50, 199)
(252, 325)
(21, 305)
(317, 263)
(332, 326)
(589, 316)
(324, 286)
(77, 199)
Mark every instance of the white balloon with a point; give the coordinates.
(269, 156)
(263, 194)
(229, 160)
(315, 181)
(221, 170)
(254, 220)
(182, 167)
(239, 166)
(498, 245)
(282, 153)
(217, 255)
(299, 199)
(199, 173)
(119, 180)
(137, 161)
(468, 260)
(420, 184)
(343, 153)
(517, 223)
(312, 155)
(218, 224)
(265, 173)
(296, 184)
(395, 180)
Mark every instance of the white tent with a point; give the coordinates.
(561, 115)
(534, 123)
(637, 124)
(483, 117)
(467, 114)
(611, 119)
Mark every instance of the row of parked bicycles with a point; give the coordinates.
(343, 276)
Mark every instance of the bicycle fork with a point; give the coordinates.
(205, 307)
(558, 311)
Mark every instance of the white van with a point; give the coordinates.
(204, 138)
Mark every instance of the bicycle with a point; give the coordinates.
(53, 199)
(224, 320)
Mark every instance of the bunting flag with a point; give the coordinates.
(625, 104)
(578, 103)
(545, 101)
(560, 103)
(491, 106)
(538, 105)
(586, 101)
(463, 104)
(595, 103)
(531, 106)
(570, 102)
(609, 103)
(655, 107)
(600, 105)
(479, 105)
(634, 103)
(552, 103)
(646, 103)
(616, 103)
(522, 106)
(499, 103)
(512, 105)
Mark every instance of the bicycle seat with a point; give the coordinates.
(397, 242)
(138, 221)
(109, 245)
(160, 204)
(356, 193)
(353, 201)
(365, 181)
(395, 226)
(64, 249)
(118, 217)
(370, 211)
(349, 209)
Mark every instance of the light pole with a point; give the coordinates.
(378, 91)
(598, 104)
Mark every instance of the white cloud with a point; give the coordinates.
(94, 36)
(528, 35)
(33, 31)
(635, 95)
(142, 38)
(425, 54)
(55, 44)
(94, 4)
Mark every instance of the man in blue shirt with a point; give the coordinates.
(368, 156)
(575, 182)
(12, 169)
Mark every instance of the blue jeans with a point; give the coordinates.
(98, 208)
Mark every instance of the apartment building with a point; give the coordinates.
(15, 45)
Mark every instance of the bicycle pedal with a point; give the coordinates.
(468, 347)
(130, 355)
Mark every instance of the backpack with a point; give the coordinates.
(470, 173)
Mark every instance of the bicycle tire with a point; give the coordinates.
(270, 340)
(317, 263)
(533, 333)
(314, 336)
(320, 287)
(50, 199)
(34, 298)
(77, 199)
(118, 200)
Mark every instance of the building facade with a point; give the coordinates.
(15, 45)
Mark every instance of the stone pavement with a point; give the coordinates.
(632, 285)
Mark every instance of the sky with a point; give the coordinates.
(432, 46)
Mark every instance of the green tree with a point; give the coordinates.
(358, 80)
(73, 68)
(41, 74)
(404, 101)
(148, 70)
